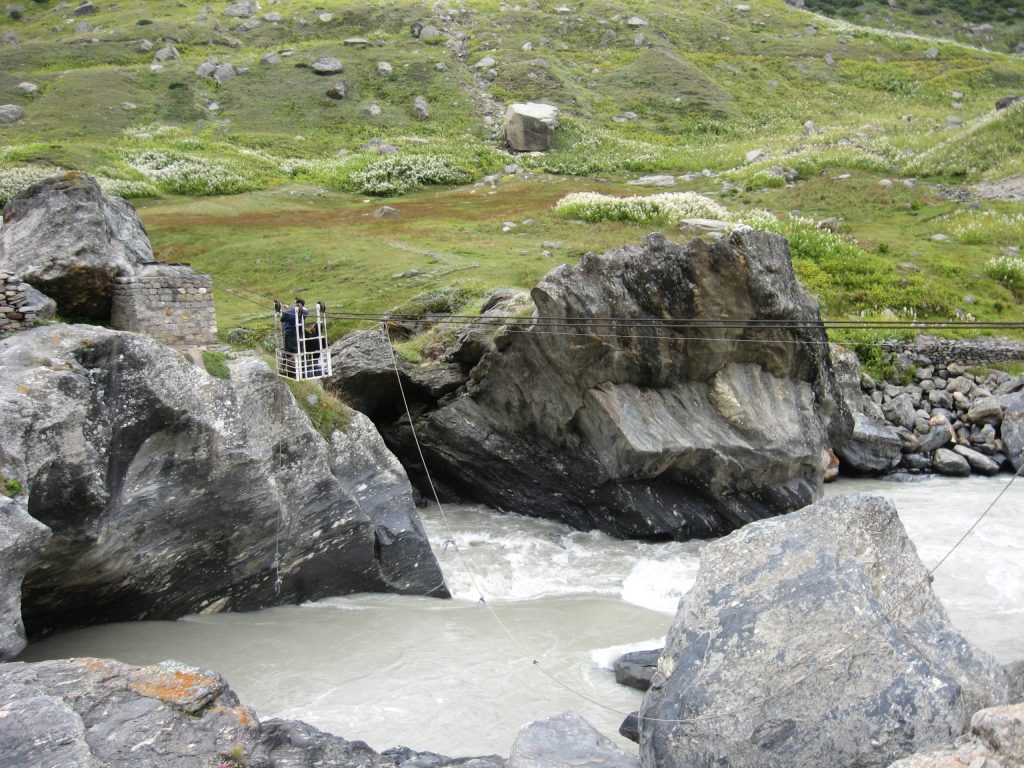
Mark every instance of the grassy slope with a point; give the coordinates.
(708, 84)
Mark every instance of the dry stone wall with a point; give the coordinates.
(169, 302)
(21, 305)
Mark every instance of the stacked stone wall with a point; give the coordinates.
(931, 350)
(171, 303)
(20, 304)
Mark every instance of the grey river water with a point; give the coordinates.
(453, 677)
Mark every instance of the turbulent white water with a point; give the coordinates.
(453, 677)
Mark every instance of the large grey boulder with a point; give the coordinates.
(169, 491)
(21, 540)
(530, 127)
(635, 427)
(566, 740)
(813, 639)
(69, 240)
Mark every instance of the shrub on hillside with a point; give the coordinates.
(398, 174)
(987, 228)
(182, 174)
(1008, 271)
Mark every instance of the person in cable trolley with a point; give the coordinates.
(301, 352)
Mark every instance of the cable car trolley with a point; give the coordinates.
(302, 352)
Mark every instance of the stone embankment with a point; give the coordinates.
(941, 411)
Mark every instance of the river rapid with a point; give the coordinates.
(460, 677)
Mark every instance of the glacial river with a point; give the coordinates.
(459, 677)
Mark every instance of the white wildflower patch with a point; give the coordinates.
(397, 174)
(1008, 271)
(14, 179)
(183, 174)
(986, 227)
(666, 207)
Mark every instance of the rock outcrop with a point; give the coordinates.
(169, 491)
(100, 712)
(21, 540)
(66, 238)
(813, 639)
(631, 425)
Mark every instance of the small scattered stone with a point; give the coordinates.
(420, 108)
(386, 212)
(372, 111)
(165, 54)
(338, 91)
(384, 69)
(84, 9)
(10, 113)
(270, 59)
(28, 88)
(326, 65)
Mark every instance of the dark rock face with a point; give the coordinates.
(872, 445)
(637, 428)
(171, 492)
(66, 238)
(21, 540)
(772, 604)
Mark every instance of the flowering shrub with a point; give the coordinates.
(398, 174)
(183, 174)
(13, 180)
(987, 228)
(667, 207)
(126, 187)
(1008, 271)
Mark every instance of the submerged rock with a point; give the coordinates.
(169, 491)
(66, 238)
(813, 639)
(632, 426)
(636, 669)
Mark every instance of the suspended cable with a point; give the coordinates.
(816, 664)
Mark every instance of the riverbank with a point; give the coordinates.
(381, 668)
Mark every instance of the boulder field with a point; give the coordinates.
(167, 491)
(601, 416)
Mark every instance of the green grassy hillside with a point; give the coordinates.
(688, 87)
